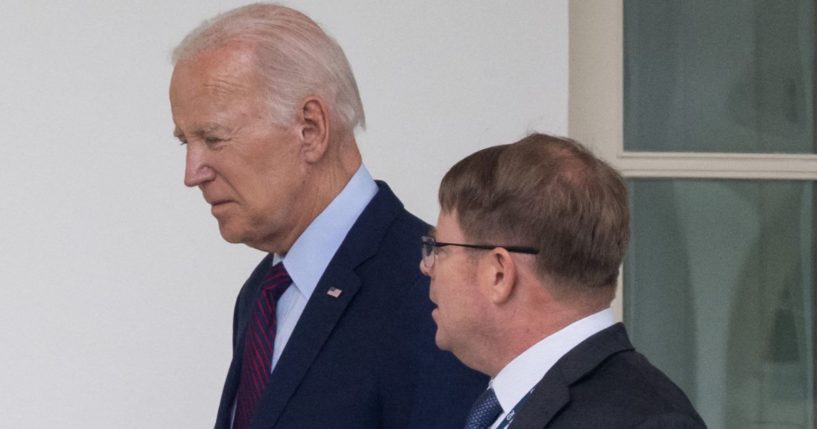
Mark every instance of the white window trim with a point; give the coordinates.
(718, 165)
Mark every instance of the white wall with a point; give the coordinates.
(116, 290)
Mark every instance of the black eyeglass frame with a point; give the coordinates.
(429, 244)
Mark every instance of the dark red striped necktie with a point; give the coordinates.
(256, 362)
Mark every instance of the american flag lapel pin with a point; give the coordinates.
(334, 292)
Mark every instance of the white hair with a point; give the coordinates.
(295, 57)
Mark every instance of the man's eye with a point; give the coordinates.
(212, 140)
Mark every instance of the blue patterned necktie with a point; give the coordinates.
(484, 411)
(258, 346)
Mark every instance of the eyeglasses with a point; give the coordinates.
(430, 246)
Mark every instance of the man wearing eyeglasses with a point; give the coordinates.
(523, 266)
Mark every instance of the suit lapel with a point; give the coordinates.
(324, 310)
(552, 393)
(246, 298)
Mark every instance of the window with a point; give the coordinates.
(707, 108)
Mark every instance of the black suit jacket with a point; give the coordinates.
(367, 358)
(604, 383)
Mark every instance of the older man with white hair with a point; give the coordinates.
(331, 330)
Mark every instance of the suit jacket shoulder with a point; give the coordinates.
(604, 382)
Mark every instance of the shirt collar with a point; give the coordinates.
(311, 253)
(519, 376)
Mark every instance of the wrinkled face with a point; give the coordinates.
(461, 305)
(247, 168)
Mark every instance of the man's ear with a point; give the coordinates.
(313, 121)
(500, 272)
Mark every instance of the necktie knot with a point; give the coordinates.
(484, 411)
(276, 281)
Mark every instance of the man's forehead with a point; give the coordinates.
(210, 87)
(220, 71)
(218, 82)
(447, 225)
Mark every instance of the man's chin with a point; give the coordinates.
(230, 235)
(231, 240)
(440, 341)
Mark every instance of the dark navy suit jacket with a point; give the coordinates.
(604, 383)
(367, 358)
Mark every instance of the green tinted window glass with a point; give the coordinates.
(719, 76)
(719, 288)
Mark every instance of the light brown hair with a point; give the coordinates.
(549, 193)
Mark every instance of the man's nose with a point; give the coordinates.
(196, 169)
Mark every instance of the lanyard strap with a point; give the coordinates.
(511, 414)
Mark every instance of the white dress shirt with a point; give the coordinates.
(311, 253)
(314, 249)
(521, 374)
